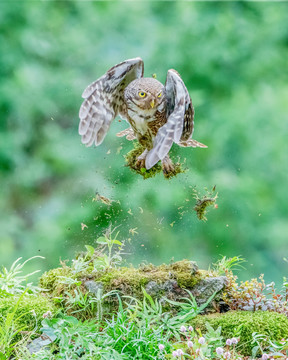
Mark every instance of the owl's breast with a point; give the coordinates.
(140, 120)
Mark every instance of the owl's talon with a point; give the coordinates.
(168, 166)
(140, 164)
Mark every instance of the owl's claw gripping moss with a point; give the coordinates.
(136, 162)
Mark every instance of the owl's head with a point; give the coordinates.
(146, 94)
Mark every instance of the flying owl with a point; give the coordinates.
(159, 115)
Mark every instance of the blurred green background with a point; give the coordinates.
(233, 59)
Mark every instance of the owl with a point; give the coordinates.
(159, 115)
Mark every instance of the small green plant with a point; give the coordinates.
(225, 265)
(189, 307)
(9, 329)
(13, 283)
(113, 257)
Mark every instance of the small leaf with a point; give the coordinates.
(117, 242)
(90, 249)
(102, 240)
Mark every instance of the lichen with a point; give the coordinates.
(131, 159)
(272, 324)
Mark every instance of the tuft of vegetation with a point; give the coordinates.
(131, 159)
(204, 202)
(244, 324)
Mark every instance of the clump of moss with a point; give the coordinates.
(51, 280)
(131, 280)
(203, 203)
(29, 310)
(245, 323)
(131, 159)
(127, 280)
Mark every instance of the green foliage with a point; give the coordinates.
(236, 72)
(12, 283)
(25, 309)
(244, 323)
(189, 307)
(11, 325)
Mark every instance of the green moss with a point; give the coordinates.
(131, 159)
(272, 324)
(29, 312)
(50, 280)
(131, 280)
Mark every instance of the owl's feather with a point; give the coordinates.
(180, 115)
(104, 100)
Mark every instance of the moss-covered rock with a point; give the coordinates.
(245, 323)
(29, 310)
(164, 281)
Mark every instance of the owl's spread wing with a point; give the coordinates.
(104, 100)
(180, 119)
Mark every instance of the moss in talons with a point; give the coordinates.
(131, 159)
(272, 324)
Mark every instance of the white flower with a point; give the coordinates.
(161, 347)
(190, 328)
(175, 353)
(190, 344)
(219, 350)
(228, 342)
(265, 357)
(183, 328)
(234, 340)
(180, 352)
(201, 340)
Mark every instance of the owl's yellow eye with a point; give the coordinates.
(160, 94)
(142, 94)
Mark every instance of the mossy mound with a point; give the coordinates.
(28, 309)
(131, 159)
(129, 280)
(164, 281)
(272, 324)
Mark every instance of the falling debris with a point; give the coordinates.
(133, 231)
(202, 203)
(83, 226)
(103, 199)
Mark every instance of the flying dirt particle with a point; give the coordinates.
(83, 226)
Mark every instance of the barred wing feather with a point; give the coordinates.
(104, 100)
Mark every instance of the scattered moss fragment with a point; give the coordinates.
(272, 324)
(202, 203)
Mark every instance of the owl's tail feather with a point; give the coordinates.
(191, 143)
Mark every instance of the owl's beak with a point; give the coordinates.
(152, 103)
